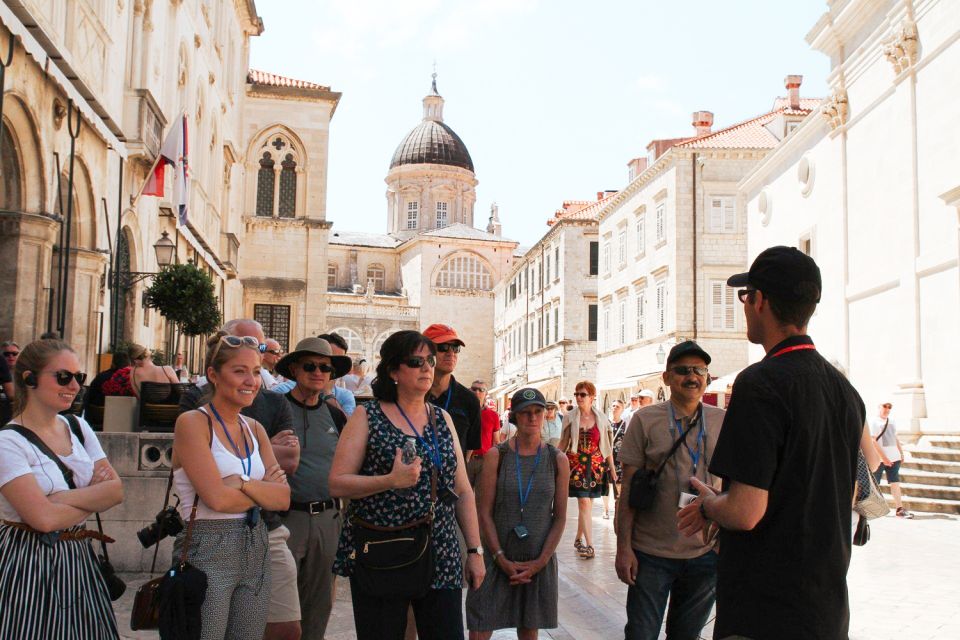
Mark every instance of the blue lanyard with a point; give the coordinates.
(248, 466)
(677, 423)
(524, 495)
(446, 405)
(434, 451)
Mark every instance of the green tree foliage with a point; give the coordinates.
(184, 295)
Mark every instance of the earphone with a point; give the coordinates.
(30, 380)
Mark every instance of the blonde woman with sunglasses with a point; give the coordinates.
(50, 581)
(225, 471)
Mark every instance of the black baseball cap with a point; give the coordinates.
(687, 348)
(780, 272)
(526, 397)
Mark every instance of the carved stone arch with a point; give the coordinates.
(275, 166)
(84, 233)
(261, 142)
(24, 133)
(477, 276)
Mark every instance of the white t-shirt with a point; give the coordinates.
(889, 440)
(18, 457)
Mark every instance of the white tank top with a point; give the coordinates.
(228, 464)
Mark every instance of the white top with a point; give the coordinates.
(889, 440)
(228, 464)
(357, 385)
(18, 457)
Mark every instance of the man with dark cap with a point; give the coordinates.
(788, 457)
(653, 558)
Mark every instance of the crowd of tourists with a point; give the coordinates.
(291, 469)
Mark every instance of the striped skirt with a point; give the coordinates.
(52, 592)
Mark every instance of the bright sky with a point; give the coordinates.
(551, 97)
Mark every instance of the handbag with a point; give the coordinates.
(869, 503)
(395, 562)
(643, 484)
(861, 535)
(146, 602)
(115, 586)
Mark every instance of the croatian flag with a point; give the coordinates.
(173, 153)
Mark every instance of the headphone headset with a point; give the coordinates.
(30, 380)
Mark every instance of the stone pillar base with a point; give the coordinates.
(910, 400)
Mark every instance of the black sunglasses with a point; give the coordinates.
(685, 370)
(581, 394)
(743, 293)
(11, 354)
(276, 352)
(478, 389)
(416, 362)
(64, 377)
(310, 367)
(447, 346)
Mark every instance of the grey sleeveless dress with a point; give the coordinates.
(496, 604)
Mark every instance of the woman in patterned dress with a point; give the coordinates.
(587, 440)
(369, 470)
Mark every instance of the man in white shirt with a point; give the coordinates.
(884, 432)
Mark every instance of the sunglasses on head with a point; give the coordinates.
(581, 394)
(11, 354)
(448, 346)
(685, 370)
(416, 362)
(744, 293)
(238, 341)
(310, 367)
(64, 377)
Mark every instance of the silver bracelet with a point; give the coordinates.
(497, 553)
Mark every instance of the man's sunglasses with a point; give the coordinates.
(276, 352)
(64, 377)
(478, 389)
(448, 346)
(310, 367)
(744, 293)
(11, 354)
(685, 370)
(416, 362)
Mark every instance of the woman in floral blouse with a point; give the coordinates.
(368, 468)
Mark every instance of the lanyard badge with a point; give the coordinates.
(520, 530)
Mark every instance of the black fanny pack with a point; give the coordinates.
(643, 484)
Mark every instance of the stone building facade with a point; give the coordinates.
(432, 265)
(546, 307)
(869, 188)
(669, 240)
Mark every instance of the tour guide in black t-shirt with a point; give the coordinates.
(450, 395)
(787, 455)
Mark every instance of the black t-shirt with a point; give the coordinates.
(464, 408)
(792, 428)
(6, 405)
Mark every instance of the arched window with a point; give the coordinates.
(377, 273)
(354, 342)
(287, 206)
(378, 343)
(10, 192)
(464, 271)
(265, 180)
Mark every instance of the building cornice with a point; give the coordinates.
(264, 222)
(812, 128)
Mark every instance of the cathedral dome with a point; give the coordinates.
(432, 141)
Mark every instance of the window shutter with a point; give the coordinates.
(716, 305)
(729, 217)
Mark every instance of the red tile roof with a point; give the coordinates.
(273, 80)
(580, 209)
(751, 134)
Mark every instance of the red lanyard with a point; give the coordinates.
(797, 347)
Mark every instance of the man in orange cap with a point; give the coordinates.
(450, 395)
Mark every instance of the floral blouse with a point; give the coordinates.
(389, 509)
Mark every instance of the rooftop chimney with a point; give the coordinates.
(792, 83)
(702, 121)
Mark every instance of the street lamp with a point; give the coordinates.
(165, 249)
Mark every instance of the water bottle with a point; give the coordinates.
(407, 454)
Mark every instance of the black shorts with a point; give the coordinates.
(893, 472)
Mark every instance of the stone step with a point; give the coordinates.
(944, 442)
(918, 476)
(935, 453)
(928, 505)
(936, 466)
(933, 492)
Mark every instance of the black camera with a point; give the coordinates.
(167, 523)
(115, 586)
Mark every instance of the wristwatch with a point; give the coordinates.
(244, 479)
(703, 511)
(476, 550)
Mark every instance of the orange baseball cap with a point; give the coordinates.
(441, 333)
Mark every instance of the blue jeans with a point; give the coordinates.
(691, 586)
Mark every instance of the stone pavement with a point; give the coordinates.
(904, 584)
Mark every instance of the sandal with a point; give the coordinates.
(903, 513)
(606, 515)
(578, 545)
(587, 553)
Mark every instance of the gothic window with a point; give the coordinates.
(441, 215)
(464, 271)
(413, 215)
(10, 179)
(265, 180)
(376, 273)
(288, 187)
(275, 319)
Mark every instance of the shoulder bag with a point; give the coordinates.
(869, 502)
(115, 586)
(643, 484)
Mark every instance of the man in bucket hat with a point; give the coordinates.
(314, 517)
